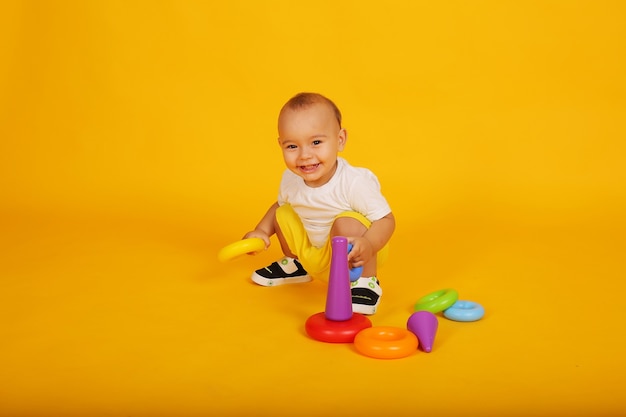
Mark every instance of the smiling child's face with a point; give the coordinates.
(310, 139)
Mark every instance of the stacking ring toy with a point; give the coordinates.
(464, 311)
(437, 301)
(385, 342)
(240, 247)
(320, 328)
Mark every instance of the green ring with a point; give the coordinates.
(437, 301)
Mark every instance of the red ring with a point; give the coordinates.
(320, 328)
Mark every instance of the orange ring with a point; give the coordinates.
(386, 342)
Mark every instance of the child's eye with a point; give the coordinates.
(290, 147)
(317, 142)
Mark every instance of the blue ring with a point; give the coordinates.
(464, 311)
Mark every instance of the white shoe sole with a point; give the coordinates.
(364, 309)
(272, 282)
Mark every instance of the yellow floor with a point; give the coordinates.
(138, 138)
(120, 316)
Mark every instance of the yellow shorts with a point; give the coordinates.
(315, 260)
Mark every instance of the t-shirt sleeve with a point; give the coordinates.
(367, 197)
(286, 185)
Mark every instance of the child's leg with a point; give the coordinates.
(283, 242)
(288, 270)
(349, 226)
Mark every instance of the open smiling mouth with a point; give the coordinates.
(308, 168)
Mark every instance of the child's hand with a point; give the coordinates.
(362, 251)
(260, 235)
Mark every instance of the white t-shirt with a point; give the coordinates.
(350, 189)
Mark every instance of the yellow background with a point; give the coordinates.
(138, 137)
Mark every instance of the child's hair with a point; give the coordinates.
(303, 100)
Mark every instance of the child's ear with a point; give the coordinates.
(343, 138)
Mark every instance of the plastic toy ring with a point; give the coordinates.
(464, 311)
(385, 342)
(321, 328)
(437, 301)
(241, 247)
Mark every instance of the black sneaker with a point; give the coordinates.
(284, 271)
(366, 293)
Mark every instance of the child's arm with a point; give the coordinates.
(366, 246)
(265, 228)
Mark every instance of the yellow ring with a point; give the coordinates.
(240, 247)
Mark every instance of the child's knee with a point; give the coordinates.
(348, 226)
